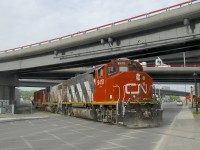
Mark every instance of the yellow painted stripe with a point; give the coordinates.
(142, 103)
(66, 103)
(93, 103)
(106, 102)
(98, 103)
(50, 103)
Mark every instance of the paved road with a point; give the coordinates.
(178, 130)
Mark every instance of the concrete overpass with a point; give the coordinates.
(169, 30)
(171, 92)
(159, 32)
(174, 74)
(38, 83)
(159, 74)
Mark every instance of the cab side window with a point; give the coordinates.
(111, 70)
(133, 67)
(100, 73)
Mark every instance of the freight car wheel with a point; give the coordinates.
(64, 110)
(53, 109)
(70, 111)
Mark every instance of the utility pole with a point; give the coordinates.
(184, 58)
(195, 82)
(192, 95)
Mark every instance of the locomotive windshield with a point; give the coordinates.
(122, 66)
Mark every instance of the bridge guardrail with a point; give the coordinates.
(102, 27)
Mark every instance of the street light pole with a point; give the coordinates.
(185, 96)
(155, 92)
(192, 95)
(195, 82)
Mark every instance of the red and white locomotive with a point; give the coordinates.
(119, 92)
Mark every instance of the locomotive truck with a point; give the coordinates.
(118, 92)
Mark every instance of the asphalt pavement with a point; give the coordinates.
(178, 130)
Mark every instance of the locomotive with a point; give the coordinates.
(118, 92)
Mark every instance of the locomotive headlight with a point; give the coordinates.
(138, 77)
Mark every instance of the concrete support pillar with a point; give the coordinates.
(4, 92)
(12, 95)
(8, 82)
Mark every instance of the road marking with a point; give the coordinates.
(35, 140)
(12, 123)
(27, 143)
(49, 130)
(105, 148)
(30, 123)
(58, 138)
(132, 137)
(121, 146)
(17, 148)
(83, 134)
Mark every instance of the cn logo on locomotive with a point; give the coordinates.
(129, 90)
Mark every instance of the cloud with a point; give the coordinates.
(28, 21)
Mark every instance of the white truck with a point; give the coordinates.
(159, 63)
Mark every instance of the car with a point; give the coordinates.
(179, 103)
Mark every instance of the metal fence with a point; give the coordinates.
(5, 107)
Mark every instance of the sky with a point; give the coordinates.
(24, 22)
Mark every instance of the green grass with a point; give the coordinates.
(196, 114)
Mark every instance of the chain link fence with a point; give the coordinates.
(5, 107)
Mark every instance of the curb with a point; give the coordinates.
(21, 119)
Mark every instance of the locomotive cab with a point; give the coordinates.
(122, 83)
(121, 80)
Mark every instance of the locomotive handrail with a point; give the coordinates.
(100, 27)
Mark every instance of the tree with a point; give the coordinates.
(26, 95)
(174, 98)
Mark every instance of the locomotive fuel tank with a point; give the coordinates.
(84, 113)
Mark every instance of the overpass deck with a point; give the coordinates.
(141, 16)
(167, 30)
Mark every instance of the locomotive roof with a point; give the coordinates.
(92, 70)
